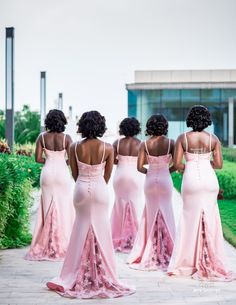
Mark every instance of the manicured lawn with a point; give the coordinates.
(228, 219)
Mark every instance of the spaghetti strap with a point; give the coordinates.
(145, 143)
(186, 142)
(43, 141)
(76, 157)
(118, 146)
(168, 151)
(103, 154)
(64, 142)
(210, 142)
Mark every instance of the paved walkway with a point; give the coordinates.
(23, 282)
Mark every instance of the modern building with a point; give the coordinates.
(174, 92)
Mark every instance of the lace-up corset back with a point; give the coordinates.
(90, 171)
(197, 156)
(162, 161)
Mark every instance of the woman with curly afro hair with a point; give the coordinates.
(89, 267)
(128, 186)
(155, 239)
(56, 211)
(198, 251)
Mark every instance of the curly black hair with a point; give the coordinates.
(55, 121)
(92, 125)
(198, 118)
(129, 127)
(157, 125)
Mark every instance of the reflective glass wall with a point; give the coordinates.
(175, 104)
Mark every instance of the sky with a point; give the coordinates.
(91, 48)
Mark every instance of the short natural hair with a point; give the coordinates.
(92, 125)
(157, 125)
(129, 127)
(198, 118)
(55, 121)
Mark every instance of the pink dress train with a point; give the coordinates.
(56, 211)
(199, 249)
(89, 267)
(128, 186)
(154, 242)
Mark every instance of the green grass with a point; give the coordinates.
(228, 219)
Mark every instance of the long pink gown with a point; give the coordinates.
(154, 242)
(128, 186)
(199, 249)
(89, 267)
(56, 211)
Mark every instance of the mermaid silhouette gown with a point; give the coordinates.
(154, 242)
(198, 250)
(56, 211)
(89, 267)
(128, 186)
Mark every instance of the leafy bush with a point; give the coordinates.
(229, 154)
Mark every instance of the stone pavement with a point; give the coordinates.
(23, 282)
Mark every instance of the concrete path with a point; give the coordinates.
(23, 282)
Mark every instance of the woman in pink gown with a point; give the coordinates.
(56, 212)
(154, 242)
(89, 267)
(198, 250)
(128, 187)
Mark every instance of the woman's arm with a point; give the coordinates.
(109, 162)
(178, 154)
(68, 144)
(142, 159)
(73, 162)
(172, 148)
(115, 151)
(217, 161)
(39, 150)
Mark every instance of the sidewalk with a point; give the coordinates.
(23, 282)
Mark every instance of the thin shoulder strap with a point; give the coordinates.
(168, 151)
(76, 157)
(104, 149)
(210, 141)
(43, 140)
(186, 142)
(145, 143)
(118, 146)
(64, 142)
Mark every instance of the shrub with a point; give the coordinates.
(17, 175)
(229, 154)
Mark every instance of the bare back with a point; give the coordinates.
(128, 146)
(159, 146)
(198, 142)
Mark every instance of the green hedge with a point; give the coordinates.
(229, 154)
(17, 176)
(226, 178)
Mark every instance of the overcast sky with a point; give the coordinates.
(91, 48)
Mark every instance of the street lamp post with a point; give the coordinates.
(9, 70)
(42, 98)
(60, 101)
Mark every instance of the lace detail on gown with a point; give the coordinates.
(48, 245)
(129, 230)
(94, 279)
(209, 267)
(158, 249)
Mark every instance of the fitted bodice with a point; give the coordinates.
(159, 161)
(90, 171)
(55, 155)
(197, 157)
(127, 160)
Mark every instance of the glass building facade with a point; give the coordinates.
(175, 104)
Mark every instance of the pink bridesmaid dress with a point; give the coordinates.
(89, 267)
(154, 242)
(128, 185)
(198, 250)
(56, 211)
